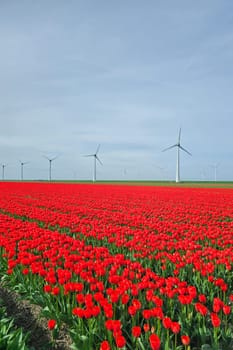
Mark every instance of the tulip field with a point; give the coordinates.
(122, 267)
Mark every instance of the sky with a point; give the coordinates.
(125, 74)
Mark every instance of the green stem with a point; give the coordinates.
(216, 338)
(167, 341)
(175, 340)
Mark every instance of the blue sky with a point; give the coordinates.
(125, 74)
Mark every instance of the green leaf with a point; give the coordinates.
(141, 345)
(206, 347)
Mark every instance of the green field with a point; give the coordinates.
(218, 184)
(204, 184)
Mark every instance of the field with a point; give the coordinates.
(112, 266)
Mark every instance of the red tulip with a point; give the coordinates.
(120, 341)
(215, 320)
(154, 341)
(185, 340)
(167, 322)
(136, 331)
(51, 324)
(226, 309)
(175, 327)
(105, 345)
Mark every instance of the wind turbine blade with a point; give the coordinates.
(89, 155)
(166, 149)
(97, 149)
(46, 157)
(185, 150)
(99, 160)
(179, 136)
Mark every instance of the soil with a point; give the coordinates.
(27, 316)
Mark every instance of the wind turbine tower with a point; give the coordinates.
(22, 165)
(50, 165)
(179, 147)
(95, 157)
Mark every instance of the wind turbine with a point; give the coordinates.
(95, 158)
(3, 171)
(22, 164)
(203, 174)
(162, 170)
(50, 164)
(178, 145)
(215, 166)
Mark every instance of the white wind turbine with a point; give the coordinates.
(50, 164)
(22, 165)
(215, 166)
(95, 158)
(178, 145)
(203, 174)
(162, 170)
(3, 171)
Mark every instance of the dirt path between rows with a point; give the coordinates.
(27, 316)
